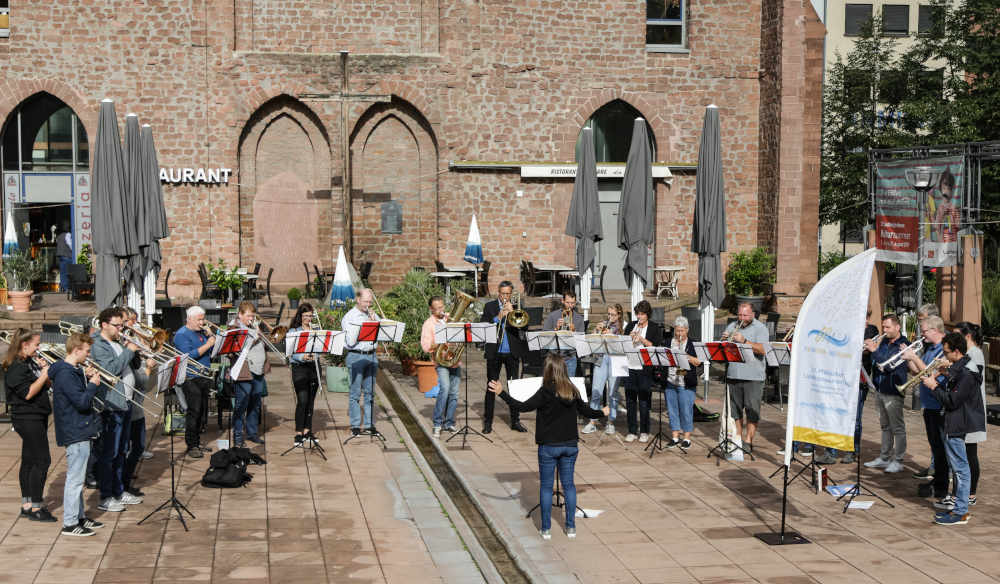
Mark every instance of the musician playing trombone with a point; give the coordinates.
(250, 381)
(510, 349)
(196, 341)
(890, 401)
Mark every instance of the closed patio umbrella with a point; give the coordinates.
(108, 191)
(135, 223)
(10, 244)
(584, 220)
(155, 217)
(474, 252)
(635, 212)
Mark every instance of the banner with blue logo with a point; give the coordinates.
(825, 372)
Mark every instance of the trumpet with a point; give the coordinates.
(566, 316)
(895, 360)
(929, 371)
(272, 337)
(878, 339)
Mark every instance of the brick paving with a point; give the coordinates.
(366, 515)
(686, 518)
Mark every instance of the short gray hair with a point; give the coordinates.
(195, 311)
(928, 310)
(935, 322)
(682, 321)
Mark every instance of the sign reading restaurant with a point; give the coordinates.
(208, 176)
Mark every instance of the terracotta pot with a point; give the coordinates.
(426, 375)
(3, 297)
(20, 300)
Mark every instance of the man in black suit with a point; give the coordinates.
(509, 350)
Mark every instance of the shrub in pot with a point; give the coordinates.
(750, 275)
(337, 378)
(407, 303)
(20, 270)
(294, 296)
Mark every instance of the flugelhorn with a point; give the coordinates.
(895, 360)
(929, 371)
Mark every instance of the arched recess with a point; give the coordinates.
(284, 185)
(394, 158)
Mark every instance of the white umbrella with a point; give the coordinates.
(342, 289)
(10, 244)
(474, 251)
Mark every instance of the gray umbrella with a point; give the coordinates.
(709, 235)
(584, 221)
(134, 225)
(108, 189)
(635, 212)
(155, 216)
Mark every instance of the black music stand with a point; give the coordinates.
(557, 499)
(466, 333)
(374, 331)
(315, 343)
(724, 352)
(656, 357)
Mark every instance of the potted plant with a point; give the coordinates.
(20, 270)
(407, 303)
(229, 280)
(84, 259)
(750, 275)
(337, 378)
(294, 296)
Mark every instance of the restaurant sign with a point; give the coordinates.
(569, 171)
(208, 176)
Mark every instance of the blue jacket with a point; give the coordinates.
(72, 404)
(886, 381)
(927, 399)
(188, 341)
(104, 355)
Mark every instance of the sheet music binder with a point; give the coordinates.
(723, 351)
(465, 332)
(315, 341)
(551, 341)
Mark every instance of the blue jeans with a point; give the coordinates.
(77, 454)
(447, 397)
(64, 263)
(680, 407)
(362, 368)
(247, 406)
(954, 447)
(136, 444)
(565, 457)
(111, 463)
(604, 381)
(570, 365)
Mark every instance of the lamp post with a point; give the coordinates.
(922, 179)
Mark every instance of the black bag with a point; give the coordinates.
(227, 477)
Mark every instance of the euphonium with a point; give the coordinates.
(446, 355)
(519, 317)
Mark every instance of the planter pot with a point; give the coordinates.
(20, 300)
(337, 379)
(3, 297)
(426, 375)
(293, 304)
(757, 302)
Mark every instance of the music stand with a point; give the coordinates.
(169, 376)
(658, 357)
(725, 352)
(387, 331)
(465, 333)
(315, 343)
(778, 354)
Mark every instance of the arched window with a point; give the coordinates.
(612, 126)
(44, 134)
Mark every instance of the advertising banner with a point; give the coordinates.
(900, 215)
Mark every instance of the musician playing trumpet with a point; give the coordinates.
(565, 318)
(746, 380)
(195, 339)
(890, 401)
(448, 377)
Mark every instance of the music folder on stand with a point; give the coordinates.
(465, 333)
(315, 343)
(373, 331)
(725, 352)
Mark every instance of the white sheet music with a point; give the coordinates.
(551, 340)
(465, 332)
(315, 341)
(523, 389)
(777, 353)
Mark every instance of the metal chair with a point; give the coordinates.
(598, 283)
(365, 271)
(320, 281)
(256, 269)
(266, 290)
(166, 294)
(484, 280)
(535, 283)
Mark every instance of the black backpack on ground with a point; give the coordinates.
(228, 468)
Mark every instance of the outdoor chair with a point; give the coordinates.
(548, 285)
(256, 269)
(307, 292)
(208, 289)
(173, 318)
(772, 324)
(365, 271)
(166, 293)
(281, 312)
(320, 281)
(484, 280)
(598, 282)
(526, 277)
(265, 289)
(80, 282)
(438, 266)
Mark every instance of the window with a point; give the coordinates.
(4, 18)
(931, 82)
(930, 20)
(855, 18)
(857, 86)
(666, 28)
(895, 19)
(892, 87)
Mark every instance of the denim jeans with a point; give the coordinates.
(64, 263)
(247, 406)
(136, 444)
(549, 456)
(111, 463)
(604, 382)
(362, 368)
(954, 447)
(680, 407)
(447, 397)
(77, 454)
(570, 365)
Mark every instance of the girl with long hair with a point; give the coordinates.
(977, 362)
(604, 379)
(304, 378)
(558, 404)
(30, 407)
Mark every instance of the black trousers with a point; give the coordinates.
(306, 384)
(196, 390)
(933, 421)
(638, 388)
(35, 459)
(512, 365)
(972, 453)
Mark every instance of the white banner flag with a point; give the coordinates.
(826, 357)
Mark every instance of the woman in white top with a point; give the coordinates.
(604, 379)
(977, 363)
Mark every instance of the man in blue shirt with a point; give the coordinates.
(193, 339)
(932, 328)
(507, 352)
(890, 401)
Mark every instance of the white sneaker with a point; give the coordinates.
(894, 466)
(128, 498)
(877, 463)
(644, 437)
(590, 428)
(609, 429)
(571, 532)
(437, 431)
(146, 455)
(111, 505)
(630, 437)
(546, 534)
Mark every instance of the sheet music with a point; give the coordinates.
(724, 351)
(384, 331)
(315, 341)
(171, 373)
(551, 340)
(522, 389)
(465, 332)
(777, 353)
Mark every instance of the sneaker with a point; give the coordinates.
(877, 463)
(194, 453)
(146, 455)
(355, 431)
(90, 483)
(128, 498)
(848, 459)
(437, 431)
(42, 514)
(894, 466)
(135, 491)
(972, 500)
(806, 451)
(925, 474)
(370, 431)
(255, 439)
(546, 534)
(310, 437)
(111, 505)
(590, 428)
(298, 440)
(952, 519)
(630, 437)
(825, 458)
(673, 442)
(685, 444)
(89, 523)
(571, 532)
(781, 452)
(644, 437)
(450, 428)
(77, 530)
(947, 503)
(609, 429)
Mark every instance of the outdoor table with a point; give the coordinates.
(552, 271)
(447, 276)
(665, 279)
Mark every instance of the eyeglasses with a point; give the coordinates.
(117, 324)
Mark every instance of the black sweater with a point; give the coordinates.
(556, 421)
(19, 377)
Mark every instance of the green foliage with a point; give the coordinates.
(84, 258)
(991, 305)
(330, 319)
(750, 273)
(315, 289)
(407, 303)
(930, 289)
(224, 277)
(294, 294)
(21, 270)
(830, 260)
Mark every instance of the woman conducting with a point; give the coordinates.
(558, 404)
(27, 382)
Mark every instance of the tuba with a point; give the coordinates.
(445, 355)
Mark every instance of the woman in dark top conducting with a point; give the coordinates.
(30, 407)
(558, 404)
